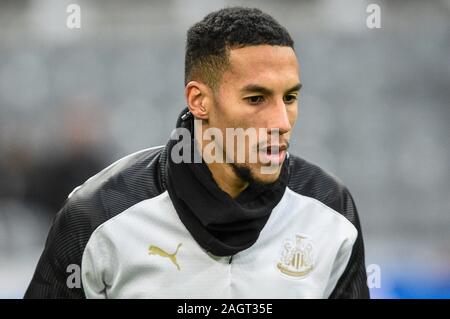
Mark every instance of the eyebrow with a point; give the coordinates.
(263, 90)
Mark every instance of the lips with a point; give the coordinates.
(274, 149)
(273, 154)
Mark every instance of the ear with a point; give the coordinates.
(198, 98)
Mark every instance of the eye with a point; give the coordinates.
(255, 100)
(291, 98)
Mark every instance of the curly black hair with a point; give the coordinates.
(209, 40)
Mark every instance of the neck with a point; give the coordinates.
(223, 173)
(227, 179)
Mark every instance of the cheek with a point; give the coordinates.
(292, 114)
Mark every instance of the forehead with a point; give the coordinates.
(262, 63)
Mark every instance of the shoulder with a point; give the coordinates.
(124, 183)
(308, 179)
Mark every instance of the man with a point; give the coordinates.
(154, 226)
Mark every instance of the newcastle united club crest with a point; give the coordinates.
(297, 258)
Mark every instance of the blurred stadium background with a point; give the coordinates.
(375, 111)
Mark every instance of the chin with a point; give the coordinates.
(266, 178)
(257, 173)
(264, 174)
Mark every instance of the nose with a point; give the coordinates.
(279, 119)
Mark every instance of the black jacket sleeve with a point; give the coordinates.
(58, 273)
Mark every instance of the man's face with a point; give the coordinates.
(258, 90)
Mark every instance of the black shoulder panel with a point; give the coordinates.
(128, 181)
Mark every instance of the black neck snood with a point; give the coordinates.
(220, 224)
